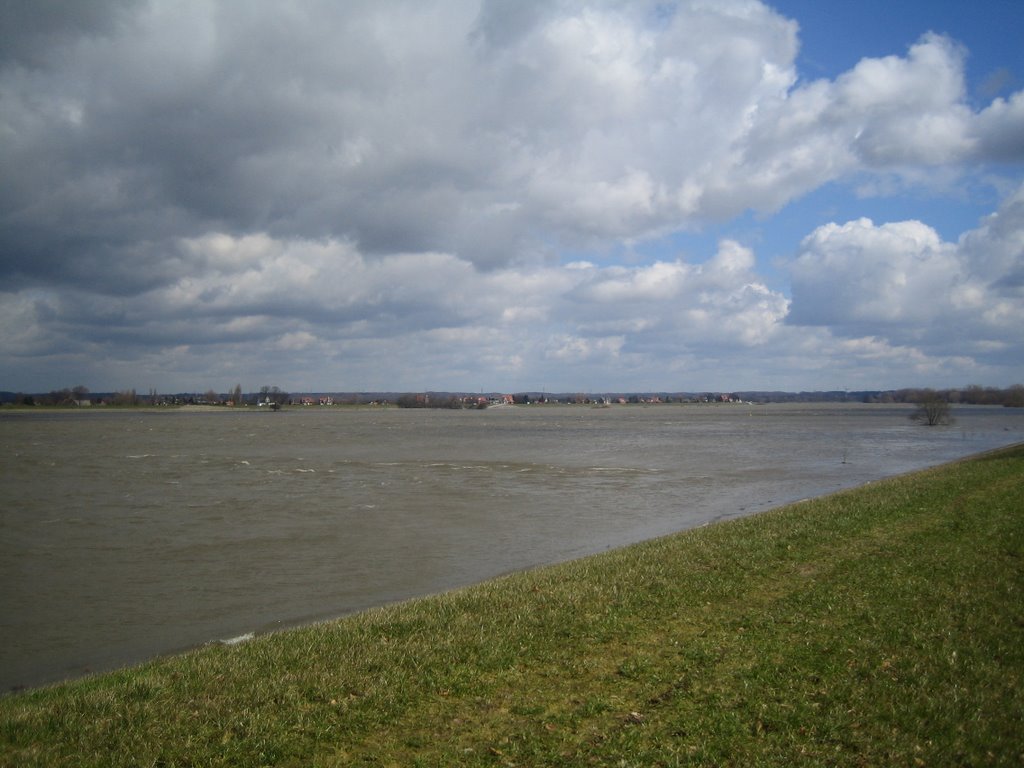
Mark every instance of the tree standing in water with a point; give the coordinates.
(932, 409)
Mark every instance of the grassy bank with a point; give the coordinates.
(881, 626)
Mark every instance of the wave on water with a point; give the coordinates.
(626, 470)
(239, 639)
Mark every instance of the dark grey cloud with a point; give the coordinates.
(309, 176)
(404, 126)
(31, 30)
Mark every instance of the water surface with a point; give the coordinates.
(128, 534)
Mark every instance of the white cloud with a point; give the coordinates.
(871, 277)
(320, 301)
(576, 349)
(994, 252)
(1000, 128)
(901, 284)
(363, 185)
(867, 299)
(408, 127)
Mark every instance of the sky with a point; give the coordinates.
(499, 195)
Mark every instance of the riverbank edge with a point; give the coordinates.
(880, 624)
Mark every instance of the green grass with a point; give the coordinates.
(881, 626)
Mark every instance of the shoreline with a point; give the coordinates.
(246, 635)
(832, 631)
(216, 497)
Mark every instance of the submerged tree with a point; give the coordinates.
(932, 409)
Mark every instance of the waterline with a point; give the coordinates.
(128, 535)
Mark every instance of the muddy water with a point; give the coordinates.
(125, 535)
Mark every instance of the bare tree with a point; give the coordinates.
(60, 397)
(127, 397)
(932, 409)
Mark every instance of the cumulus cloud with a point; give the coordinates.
(869, 278)
(309, 299)
(371, 180)
(901, 284)
(457, 126)
(865, 298)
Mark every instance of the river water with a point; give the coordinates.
(129, 534)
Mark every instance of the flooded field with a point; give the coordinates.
(125, 535)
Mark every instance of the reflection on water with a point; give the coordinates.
(128, 534)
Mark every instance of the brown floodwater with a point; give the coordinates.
(129, 534)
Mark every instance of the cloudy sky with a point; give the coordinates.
(511, 195)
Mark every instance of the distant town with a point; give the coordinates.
(275, 398)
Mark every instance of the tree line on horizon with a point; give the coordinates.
(973, 394)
